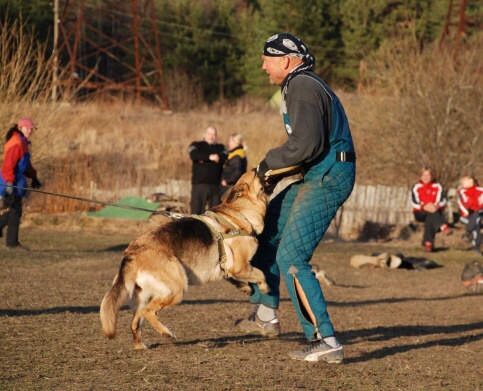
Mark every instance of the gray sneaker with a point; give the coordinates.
(253, 324)
(319, 351)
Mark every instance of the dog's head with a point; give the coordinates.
(248, 186)
(249, 198)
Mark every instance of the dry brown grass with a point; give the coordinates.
(402, 329)
(117, 146)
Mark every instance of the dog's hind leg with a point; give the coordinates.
(157, 304)
(138, 320)
(149, 312)
(137, 329)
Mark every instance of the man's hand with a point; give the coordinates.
(262, 169)
(214, 158)
(9, 197)
(268, 182)
(430, 208)
(36, 183)
(9, 189)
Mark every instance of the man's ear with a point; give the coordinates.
(234, 192)
(286, 62)
(291, 62)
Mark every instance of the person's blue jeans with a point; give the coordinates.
(472, 223)
(296, 222)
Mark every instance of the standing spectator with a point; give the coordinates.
(429, 201)
(320, 142)
(236, 164)
(208, 158)
(15, 168)
(470, 202)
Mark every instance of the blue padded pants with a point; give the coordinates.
(296, 221)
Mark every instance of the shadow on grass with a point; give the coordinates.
(91, 309)
(26, 255)
(388, 333)
(119, 247)
(392, 300)
(375, 334)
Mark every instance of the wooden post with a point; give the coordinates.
(55, 52)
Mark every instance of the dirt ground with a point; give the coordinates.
(402, 329)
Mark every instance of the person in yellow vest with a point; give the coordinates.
(236, 164)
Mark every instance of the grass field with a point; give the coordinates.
(402, 330)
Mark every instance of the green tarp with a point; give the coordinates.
(115, 212)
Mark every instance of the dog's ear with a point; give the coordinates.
(234, 192)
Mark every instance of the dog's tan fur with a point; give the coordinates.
(159, 265)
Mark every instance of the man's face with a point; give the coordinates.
(426, 176)
(276, 67)
(210, 135)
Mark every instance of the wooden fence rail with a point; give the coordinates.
(378, 204)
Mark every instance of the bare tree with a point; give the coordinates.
(421, 108)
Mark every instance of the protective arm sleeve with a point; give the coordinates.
(308, 126)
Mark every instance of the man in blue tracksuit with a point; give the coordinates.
(320, 143)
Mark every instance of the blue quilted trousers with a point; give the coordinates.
(296, 221)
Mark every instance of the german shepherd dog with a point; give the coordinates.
(158, 266)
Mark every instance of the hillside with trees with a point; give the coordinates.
(413, 91)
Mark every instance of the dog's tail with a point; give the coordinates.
(112, 302)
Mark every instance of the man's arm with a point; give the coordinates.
(440, 197)
(307, 106)
(415, 200)
(198, 153)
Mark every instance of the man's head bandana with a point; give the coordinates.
(285, 44)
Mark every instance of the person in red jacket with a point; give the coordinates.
(15, 168)
(429, 201)
(470, 202)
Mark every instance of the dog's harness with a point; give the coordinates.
(219, 236)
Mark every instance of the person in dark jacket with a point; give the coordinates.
(15, 168)
(208, 158)
(428, 201)
(236, 164)
(320, 143)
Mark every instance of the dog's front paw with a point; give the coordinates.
(246, 289)
(263, 287)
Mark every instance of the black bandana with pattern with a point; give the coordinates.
(285, 44)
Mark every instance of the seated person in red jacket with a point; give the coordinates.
(470, 202)
(429, 201)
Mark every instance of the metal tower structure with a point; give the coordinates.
(108, 46)
(458, 20)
